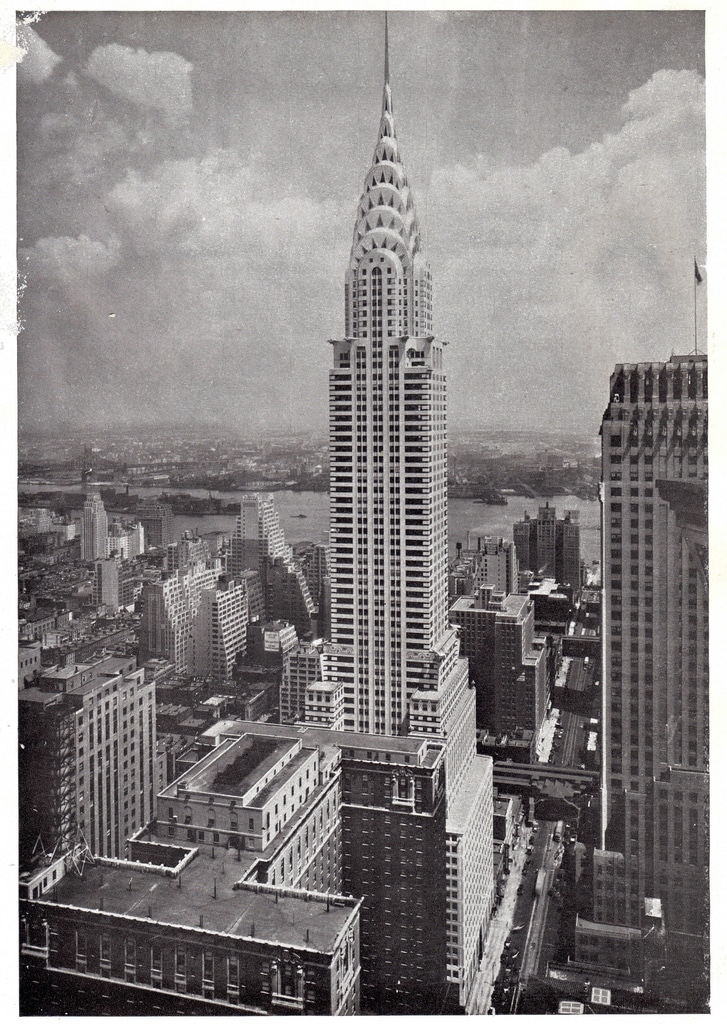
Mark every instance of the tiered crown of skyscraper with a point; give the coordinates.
(387, 226)
(386, 217)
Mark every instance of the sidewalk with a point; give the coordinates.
(500, 927)
(547, 734)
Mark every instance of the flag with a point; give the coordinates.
(697, 275)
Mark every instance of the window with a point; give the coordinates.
(130, 958)
(81, 951)
(156, 966)
(180, 969)
(208, 973)
(233, 979)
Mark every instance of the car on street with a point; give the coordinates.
(520, 890)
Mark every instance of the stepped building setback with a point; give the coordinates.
(393, 666)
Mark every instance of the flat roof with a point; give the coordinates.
(67, 672)
(32, 694)
(282, 777)
(464, 806)
(255, 755)
(424, 749)
(208, 893)
(617, 931)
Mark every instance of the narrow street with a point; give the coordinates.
(523, 928)
(519, 921)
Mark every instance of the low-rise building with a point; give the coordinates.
(176, 931)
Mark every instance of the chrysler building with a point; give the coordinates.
(393, 667)
(388, 450)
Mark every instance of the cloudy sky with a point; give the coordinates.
(188, 184)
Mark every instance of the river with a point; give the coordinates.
(464, 515)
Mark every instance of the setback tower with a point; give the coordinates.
(393, 667)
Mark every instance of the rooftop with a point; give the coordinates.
(613, 930)
(281, 778)
(404, 749)
(255, 756)
(205, 897)
(465, 804)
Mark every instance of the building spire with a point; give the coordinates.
(386, 106)
(386, 217)
(386, 48)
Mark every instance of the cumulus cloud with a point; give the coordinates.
(159, 80)
(217, 204)
(212, 279)
(37, 60)
(72, 259)
(223, 285)
(586, 254)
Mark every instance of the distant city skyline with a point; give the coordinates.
(187, 184)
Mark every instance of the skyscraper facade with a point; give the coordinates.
(94, 529)
(394, 660)
(550, 546)
(88, 750)
(655, 669)
(496, 564)
(219, 630)
(157, 520)
(169, 608)
(388, 504)
(258, 534)
(508, 668)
